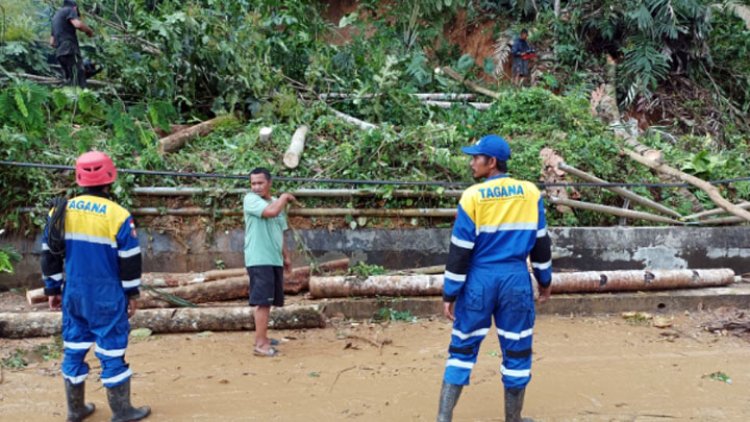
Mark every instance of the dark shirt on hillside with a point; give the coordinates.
(520, 46)
(66, 39)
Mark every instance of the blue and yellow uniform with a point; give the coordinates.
(102, 267)
(500, 223)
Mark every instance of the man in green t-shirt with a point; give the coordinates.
(265, 255)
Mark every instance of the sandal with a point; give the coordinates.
(274, 342)
(271, 352)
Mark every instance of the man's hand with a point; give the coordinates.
(448, 310)
(90, 32)
(52, 41)
(132, 307)
(544, 293)
(288, 197)
(54, 302)
(287, 264)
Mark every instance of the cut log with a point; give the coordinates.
(434, 269)
(294, 152)
(622, 281)
(353, 120)
(176, 140)
(710, 189)
(449, 104)
(469, 84)
(265, 134)
(227, 273)
(299, 280)
(378, 285)
(578, 282)
(216, 291)
(171, 279)
(34, 296)
(44, 324)
(625, 193)
(223, 285)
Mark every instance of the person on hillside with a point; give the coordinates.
(522, 53)
(266, 258)
(91, 264)
(64, 40)
(500, 222)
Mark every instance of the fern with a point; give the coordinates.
(20, 103)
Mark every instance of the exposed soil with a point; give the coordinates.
(585, 369)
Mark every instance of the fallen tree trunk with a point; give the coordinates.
(48, 80)
(469, 84)
(637, 215)
(427, 96)
(216, 291)
(43, 324)
(625, 193)
(578, 282)
(377, 285)
(176, 140)
(294, 152)
(716, 211)
(621, 281)
(711, 190)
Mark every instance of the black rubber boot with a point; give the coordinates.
(449, 395)
(119, 402)
(514, 405)
(78, 410)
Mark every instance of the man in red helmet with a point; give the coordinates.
(91, 264)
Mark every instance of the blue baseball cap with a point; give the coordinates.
(490, 145)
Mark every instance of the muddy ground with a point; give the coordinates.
(585, 369)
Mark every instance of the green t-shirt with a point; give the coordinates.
(264, 237)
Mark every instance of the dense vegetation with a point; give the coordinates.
(681, 65)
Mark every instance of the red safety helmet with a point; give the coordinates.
(95, 168)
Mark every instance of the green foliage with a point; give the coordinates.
(50, 351)
(8, 256)
(16, 360)
(177, 62)
(365, 270)
(390, 314)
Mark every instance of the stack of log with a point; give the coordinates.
(201, 291)
(211, 286)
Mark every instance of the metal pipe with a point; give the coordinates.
(312, 193)
(305, 212)
(620, 191)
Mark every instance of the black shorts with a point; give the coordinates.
(266, 285)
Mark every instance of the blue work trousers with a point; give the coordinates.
(89, 321)
(509, 298)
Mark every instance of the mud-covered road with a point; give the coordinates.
(585, 369)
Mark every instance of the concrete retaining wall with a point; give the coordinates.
(580, 249)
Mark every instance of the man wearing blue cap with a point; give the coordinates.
(500, 223)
